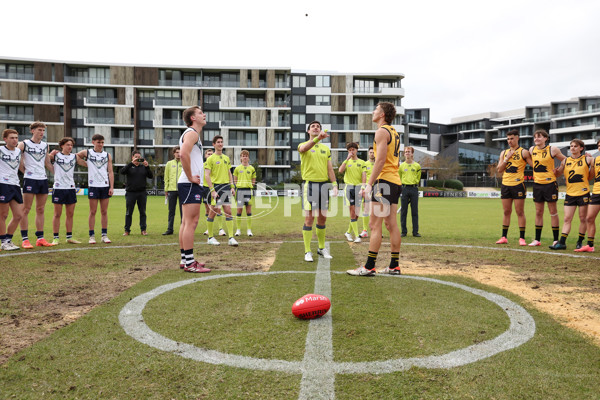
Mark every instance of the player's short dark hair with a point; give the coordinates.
(513, 132)
(37, 124)
(65, 140)
(217, 137)
(314, 122)
(579, 142)
(97, 136)
(389, 111)
(541, 132)
(187, 114)
(133, 153)
(7, 132)
(351, 145)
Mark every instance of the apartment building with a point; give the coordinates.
(262, 110)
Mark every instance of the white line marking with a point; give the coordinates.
(318, 377)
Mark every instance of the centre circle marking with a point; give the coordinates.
(522, 329)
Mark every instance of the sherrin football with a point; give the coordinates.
(311, 306)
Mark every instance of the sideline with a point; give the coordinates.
(463, 246)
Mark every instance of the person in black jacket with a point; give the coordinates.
(137, 171)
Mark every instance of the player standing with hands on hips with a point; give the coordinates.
(384, 187)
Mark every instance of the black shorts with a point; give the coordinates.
(545, 192)
(385, 192)
(191, 193)
(577, 200)
(35, 186)
(315, 195)
(516, 192)
(595, 200)
(64, 196)
(9, 193)
(224, 196)
(243, 196)
(98, 193)
(352, 194)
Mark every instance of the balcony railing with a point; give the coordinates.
(251, 103)
(282, 142)
(87, 79)
(16, 75)
(282, 104)
(167, 82)
(16, 117)
(172, 122)
(121, 140)
(47, 99)
(345, 127)
(235, 123)
(100, 100)
(99, 121)
(242, 142)
(363, 108)
(167, 102)
(282, 85)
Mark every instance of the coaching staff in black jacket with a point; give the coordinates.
(137, 171)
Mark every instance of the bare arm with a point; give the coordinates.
(502, 162)
(111, 176)
(186, 153)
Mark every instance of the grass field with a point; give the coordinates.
(76, 292)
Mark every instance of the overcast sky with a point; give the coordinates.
(459, 57)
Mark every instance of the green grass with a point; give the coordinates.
(373, 318)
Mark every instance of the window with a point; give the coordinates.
(17, 113)
(172, 117)
(99, 75)
(79, 113)
(299, 81)
(145, 95)
(146, 115)
(298, 100)
(325, 119)
(211, 98)
(323, 100)
(364, 86)
(323, 81)
(171, 136)
(16, 71)
(146, 136)
(230, 79)
(148, 154)
(46, 93)
(240, 138)
(122, 136)
(282, 139)
(213, 116)
(85, 133)
(299, 119)
(209, 135)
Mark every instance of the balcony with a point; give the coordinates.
(395, 91)
(46, 99)
(167, 102)
(17, 76)
(234, 123)
(251, 103)
(99, 100)
(171, 122)
(87, 79)
(121, 140)
(211, 83)
(99, 121)
(282, 142)
(16, 117)
(344, 127)
(285, 104)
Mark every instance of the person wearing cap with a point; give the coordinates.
(410, 175)
(318, 176)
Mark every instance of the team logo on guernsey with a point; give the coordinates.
(13, 163)
(98, 162)
(37, 153)
(65, 165)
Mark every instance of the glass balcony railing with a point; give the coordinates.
(167, 102)
(171, 141)
(100, 100)
(17, 75)
(121, 140)
(363, 108)
(99, 121)
(16, 117)
(47, 99)
(210, 83)
(172, 122)
(235, 123)
(251, 103)
(282, 104)
(345, 127)
(281, 142)
(242, 142)
(87, 79)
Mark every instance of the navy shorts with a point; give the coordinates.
(516, 192)
(386, 192)
(9, 193)
(190, 193)
(595, 200)
(243, 196)
(98, 193)
(545, 192)
(35, 186)
(64, 196)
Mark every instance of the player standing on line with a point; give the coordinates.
(384, 187)
(10, 191)
(512, 163)
(220, 184)
(545, 188)
(64, 192)
(35, 183)
(317, 173)
(577, 171)
(366, 201)
(244, 179)
(101, 181)
(354, 180)
(594, 206)
(189, 186)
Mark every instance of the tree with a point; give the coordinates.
(258, 170)
(442, 168)
(492, 171)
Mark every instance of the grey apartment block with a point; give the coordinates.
(262, 110)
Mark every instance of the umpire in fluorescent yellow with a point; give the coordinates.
(354, 181)
(244, 178)
(172, 171)
(318, 176)
(410, 175)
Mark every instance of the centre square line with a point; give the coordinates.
(318, 376)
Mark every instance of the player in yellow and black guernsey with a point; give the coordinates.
(594, 205)
(512, 163)
(354, 181)
(577, 172)
(545, 187)
(384, 187)
(317, 173)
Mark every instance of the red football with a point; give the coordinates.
(311, 306)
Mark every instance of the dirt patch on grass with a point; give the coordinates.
(575, 307)
(68, 295)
